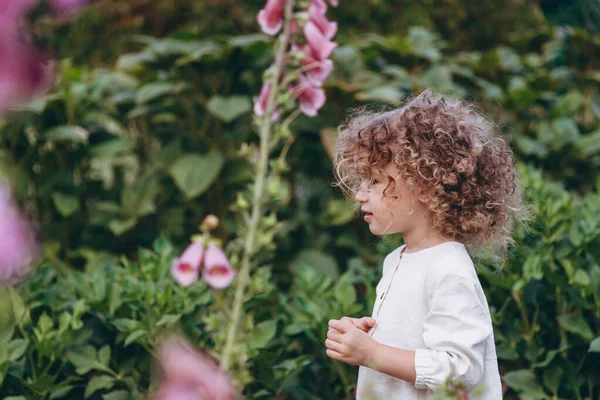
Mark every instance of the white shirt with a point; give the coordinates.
(431, 301)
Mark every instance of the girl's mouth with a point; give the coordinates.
(368, 216)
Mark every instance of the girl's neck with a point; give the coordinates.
(421, 237)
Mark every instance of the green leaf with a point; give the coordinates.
(323, 264)
(229, 108)
(45, 323)
(552, 378)
(337, 212)
(126, 325)
(262, 334)
(65, 203)
(134, 335)
(85, 360)
(589, 144)
(70, 133)
(120, 226)
(524, 381)
(344, 291)
(194, 173)
(595, 345)
(98, 383)
(16, 349)
(104, 355)
(168, 319)
(112, 147)
(60, 392)
(138, 200)
(575, 324)
(568, 104)
(155, 90)
(387, 94)
(425, 43)
(438, 77)
(116, 395)
(17, 304)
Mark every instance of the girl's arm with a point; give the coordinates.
(393, 361)
(347, 343)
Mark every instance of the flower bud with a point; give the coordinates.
(210, 222)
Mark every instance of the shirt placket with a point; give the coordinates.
(384, 294)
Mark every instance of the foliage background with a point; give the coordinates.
(144, 135)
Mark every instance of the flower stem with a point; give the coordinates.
(257, 200)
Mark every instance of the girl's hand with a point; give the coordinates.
(350, 344)
(364, 323)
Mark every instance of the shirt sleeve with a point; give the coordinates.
(454, 332)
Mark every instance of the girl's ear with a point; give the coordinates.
(422, 197)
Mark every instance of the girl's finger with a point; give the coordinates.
(334, 335)
(335, 346)
(334, 354)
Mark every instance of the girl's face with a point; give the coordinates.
(387, 215)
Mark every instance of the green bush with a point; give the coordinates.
(117, 158)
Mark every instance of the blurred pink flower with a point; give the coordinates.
(22, 71)
(67, 7)
(321, 47)
(270, 18)
(319, 5)
(260, 106)
(188, 373)
(327, 28)
(186, 268)
(218, 272)
(18, 246)
(11, 11)
(311, 99)
(334, 3)
(174, 392)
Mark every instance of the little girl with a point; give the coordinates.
(433, 171)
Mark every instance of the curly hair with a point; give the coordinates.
(448, 153)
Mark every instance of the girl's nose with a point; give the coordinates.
(361, 195)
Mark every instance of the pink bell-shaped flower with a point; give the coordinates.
(320, 45)
(187, 372)
(22, 72)
(186, 268)
(218, 272)
(18, 246)
(311, 99)
(270, 18)
(327, 28)
(260, 106)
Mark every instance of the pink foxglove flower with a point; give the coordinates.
(327, 28)
(271, 17)
(218, 272)
(320, 46)
(22, 72)
(186, 268)
(11, 11)
(260, 107)
(316, 70)
(318, 5)
(311, 99)
(187, 372)
(334, 3)
(67, 7)
(18, 246)
(173, 392)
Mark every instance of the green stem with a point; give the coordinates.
(257, 200)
